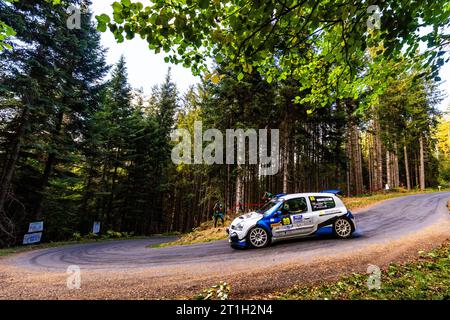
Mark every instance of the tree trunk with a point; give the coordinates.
(388, 169)
(397, 173)
(422, 165)
(238, 198)
(358, 162)
(378, 159)
(408, 181)
(285, 156)
(416, 169)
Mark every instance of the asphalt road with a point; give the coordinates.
(381, 223)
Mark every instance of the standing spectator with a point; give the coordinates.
(267, 197)
(218, 213)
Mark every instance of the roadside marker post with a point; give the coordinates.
(34, 234)
(36, 227)
(31, 238)
(96, 227)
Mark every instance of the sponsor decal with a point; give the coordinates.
(274, 225)
(334, 211)
(286, 221)
(307, 220)
(297, 218)
(303, 221)
(325, 213)
(324, 199)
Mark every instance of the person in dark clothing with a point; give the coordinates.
(218, 213)
(267, 197)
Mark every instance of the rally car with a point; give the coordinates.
(291, 216)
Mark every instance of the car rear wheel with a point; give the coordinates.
(258, 237)
(342, 228)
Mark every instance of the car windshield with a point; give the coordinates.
(269, 207)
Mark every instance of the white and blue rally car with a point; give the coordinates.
(291, 216)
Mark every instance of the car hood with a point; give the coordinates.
(247, 217)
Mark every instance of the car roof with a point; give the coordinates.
(309, 194)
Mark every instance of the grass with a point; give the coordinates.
(428, 278)
(206, 231)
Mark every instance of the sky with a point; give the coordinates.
(146, 69)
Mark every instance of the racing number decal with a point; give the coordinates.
(286, 221)
(274, 225)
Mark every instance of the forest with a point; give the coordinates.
(79, 144)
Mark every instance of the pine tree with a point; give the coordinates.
(55, 75)
(166, 106)
(110, 133)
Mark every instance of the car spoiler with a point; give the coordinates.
(336, 192)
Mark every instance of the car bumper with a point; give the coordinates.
(236, 238)
(352, 218)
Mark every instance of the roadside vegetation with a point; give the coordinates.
(206, 231)
(219, 291)
(425, 279)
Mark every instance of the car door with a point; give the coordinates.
(325, 208)
(295, 220)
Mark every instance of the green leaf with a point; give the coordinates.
(203, 4)
(117, 7)
(139, 6)
(101, 27)
(240, 76)
(126, 3)
(103, 18)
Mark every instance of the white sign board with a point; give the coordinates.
(96, 227)
(36, 227)
(32, 238)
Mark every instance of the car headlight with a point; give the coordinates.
(240, 226)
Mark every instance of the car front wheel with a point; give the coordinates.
(258, 237)
(342, 228)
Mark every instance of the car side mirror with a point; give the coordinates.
(277, 214)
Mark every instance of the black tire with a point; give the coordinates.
(343, 228)
(258, 237)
